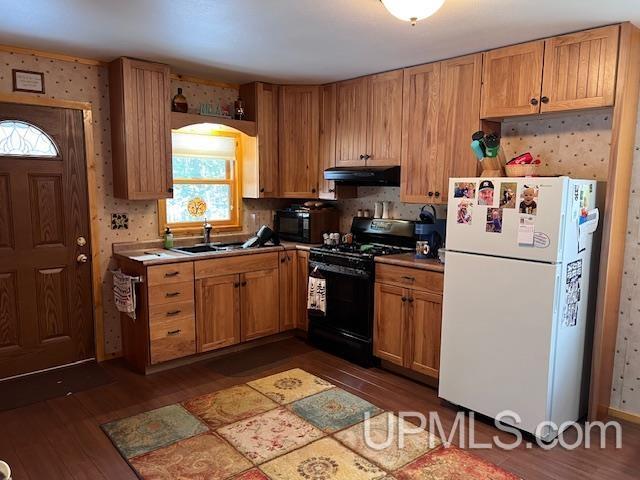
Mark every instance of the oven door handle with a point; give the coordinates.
(339, 269)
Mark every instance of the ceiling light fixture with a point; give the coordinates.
(412, 10)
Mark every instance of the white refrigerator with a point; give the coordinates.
(518, 258)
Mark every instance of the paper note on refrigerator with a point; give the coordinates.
(526, 230)
(587, 226)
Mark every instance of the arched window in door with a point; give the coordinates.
(23, 139)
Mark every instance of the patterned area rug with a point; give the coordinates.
(288, 426)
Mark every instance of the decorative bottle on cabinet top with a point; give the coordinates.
(179, 103)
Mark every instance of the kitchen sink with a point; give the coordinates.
(208, 248)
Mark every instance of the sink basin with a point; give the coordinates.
(209, 248)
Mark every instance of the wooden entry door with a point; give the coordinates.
(46, 309)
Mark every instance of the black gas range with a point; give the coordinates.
(346, 328)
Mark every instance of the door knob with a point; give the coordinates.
(81, 241)
(82, 258)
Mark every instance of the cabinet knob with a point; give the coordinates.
(361, 157)
(437, 194)
(283, 259)
(367, 157)
(544, 99)
(431, 194)
(313, 190)
(170, 189)
(244, 283)
(332, 190)
(534, 101)
(404, 299)
(410, 300)
(236, 284)
(262, 190)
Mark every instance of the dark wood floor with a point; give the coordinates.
(61, 438)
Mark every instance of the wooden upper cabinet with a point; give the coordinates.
(260, 174)
(458, 118)
(421, 104)
(351, 122)
(384, 133)
(140, 99)
(512, 78)
(327, 155)
(580, 70)
(299, 138)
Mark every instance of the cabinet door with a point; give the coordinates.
(217, 312)
(512, 80)
(384, 132)
(580, 70)
(302, 319)
(259, 303)
(141, 129)
(299, 136)
(267, 124)
(421, 103)
(351, 122)
(459, 116)
(327, 189)
(288, 293)
(425, 325)
(390, 324)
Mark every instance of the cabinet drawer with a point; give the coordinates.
(172, 273)
(410, 278)
(231, 265)
(159, 313)
(172, 338)
(170, 293)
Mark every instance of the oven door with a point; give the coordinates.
(349, 301)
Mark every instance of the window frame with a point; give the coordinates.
(235, 184)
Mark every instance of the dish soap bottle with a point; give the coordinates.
(179, 103)
(168, 238)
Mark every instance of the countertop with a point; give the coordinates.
(160, 256)
(410, 260)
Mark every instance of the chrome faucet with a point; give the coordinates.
(206, 232)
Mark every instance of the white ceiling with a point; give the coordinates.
(293, 41)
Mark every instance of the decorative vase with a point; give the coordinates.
(179, 103)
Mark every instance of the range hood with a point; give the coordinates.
(365, 176)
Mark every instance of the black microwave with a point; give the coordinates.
(305, 225)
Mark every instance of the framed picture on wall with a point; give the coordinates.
(27, 81)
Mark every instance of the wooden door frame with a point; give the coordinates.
(89, 147)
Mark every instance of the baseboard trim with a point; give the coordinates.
(622, 415)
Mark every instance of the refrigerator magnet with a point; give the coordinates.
(494, 220)
(508, 194)
(465, 212)
(541, 240)
(465, 190)
(485, 193)
(529, 199)
(573, 294)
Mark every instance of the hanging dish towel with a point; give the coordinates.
(317, 293)
(124, 293)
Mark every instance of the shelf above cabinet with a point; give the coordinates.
(179, 120)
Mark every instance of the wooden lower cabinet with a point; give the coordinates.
(259, 304)
(407, 323)
(218, 312)
(288, 288)
(302, 319)
(390, 323)
(425, 325)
